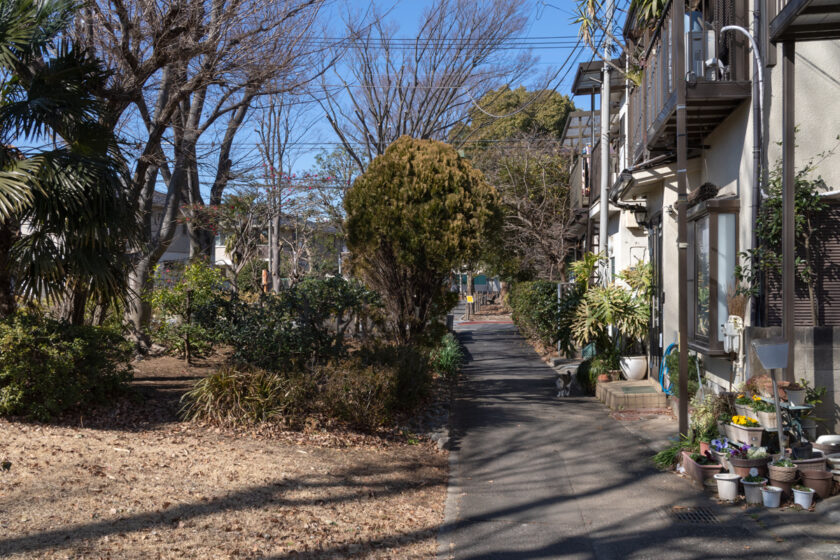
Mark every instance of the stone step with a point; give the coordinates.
(625, 395)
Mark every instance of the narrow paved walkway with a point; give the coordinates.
(534, 476)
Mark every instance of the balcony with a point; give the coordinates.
(804, 20)
(717, 76)
(579, 183)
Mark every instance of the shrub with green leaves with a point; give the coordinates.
(48, 367)
(534, 309)
(185, 307)
(447, 358)
(296, 328)
(672, 361)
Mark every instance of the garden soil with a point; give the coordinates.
(133, 481)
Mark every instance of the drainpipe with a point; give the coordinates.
(758, 120)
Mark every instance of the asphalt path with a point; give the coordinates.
(536, 476)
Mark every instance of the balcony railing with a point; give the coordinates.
(579, 183)
(716, 72)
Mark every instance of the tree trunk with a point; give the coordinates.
(138, 311)
(7, 294)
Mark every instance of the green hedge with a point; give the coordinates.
(534, 309)
(47, 367)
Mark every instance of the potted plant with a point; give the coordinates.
(744, 458)
(752, 488)
(727, 484)
(771, 496)
(782, 474)
(742, 405)
(639, 279)
(699, 467)
(745, 430)
(795, 394)
(765, 412)
(719, 448)
(612, 318)
(703, 421)
(803, 496)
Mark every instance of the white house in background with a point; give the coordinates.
(179, 249)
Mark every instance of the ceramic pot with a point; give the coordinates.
(785, 485)
(820, 481)
(803, 498)
(786, 474)
(704, 448)
(771, 496)
(802, 450)
(752, 491)
(699, 473)
(742, 434)
(727, 486)
(603, 378)
(796, 398)
(742, 466)
(722, 457)
(766, 419)
(815, 463)
(634, 368)
(743, 410)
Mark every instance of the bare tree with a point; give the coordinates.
(181, 68)
(389, 87)
(530, 171)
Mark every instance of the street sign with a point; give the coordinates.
(470, 299)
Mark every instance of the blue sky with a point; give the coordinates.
(549, 22)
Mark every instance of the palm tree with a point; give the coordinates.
(65, 217)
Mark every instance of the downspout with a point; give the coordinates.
(758, 117)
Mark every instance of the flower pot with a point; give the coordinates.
(634, 368)
(699, 473)
(742, 466)
(820, 481)
(803, 498)
(802, 450)
(796, 398)
(833, 461)
(704, 448)
(815, 463)
(603, 378)
(742, 434)
(771, 496)
(722, 457)
(743, 410)
(785, 485)
(727, 486)
(752, 490)
(786, 474)
(766, 419)
(809, 425)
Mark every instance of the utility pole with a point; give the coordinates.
(682, 206)
(603, 212)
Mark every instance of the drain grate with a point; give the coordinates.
(692, 515)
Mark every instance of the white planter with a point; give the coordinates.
(766, 419)
(727, 486)
(752, 491)
(771, 496)
(796, 398)
(803, 498)
(634, 367)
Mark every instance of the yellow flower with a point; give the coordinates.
(756, 398)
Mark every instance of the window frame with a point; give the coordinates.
(712, 208)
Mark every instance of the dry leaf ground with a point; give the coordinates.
(135, 482)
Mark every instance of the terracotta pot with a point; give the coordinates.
(815, 463)
(742, 466)
(697, 471)
(785, 485)
(704, 447)
(820, 481)
(603, 378)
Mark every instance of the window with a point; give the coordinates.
(712, 257)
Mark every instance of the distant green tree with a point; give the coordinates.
(544, 112)
(416, 213)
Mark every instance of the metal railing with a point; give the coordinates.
(710, 57)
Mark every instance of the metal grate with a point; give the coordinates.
(692, 515)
